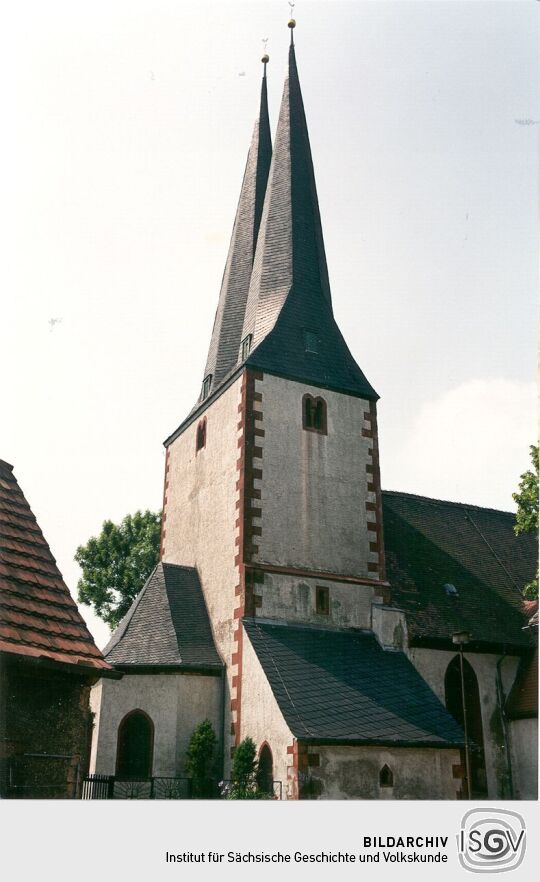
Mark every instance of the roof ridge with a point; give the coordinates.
(123, 625)
(176, 566)
(224, 350)
(433, 501)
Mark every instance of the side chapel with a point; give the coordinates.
(295, 602)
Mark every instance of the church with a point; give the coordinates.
(373, 644)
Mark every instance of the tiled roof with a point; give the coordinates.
(289, 292)
(342, 687)
(431, 544)
(167, 625)
(38, 616)
(227, 331)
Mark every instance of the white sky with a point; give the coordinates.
(127, 126)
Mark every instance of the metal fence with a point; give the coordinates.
(111, 787)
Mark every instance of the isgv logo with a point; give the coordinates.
(491, 840)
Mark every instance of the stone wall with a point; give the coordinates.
(523, 747)
(432, 665)
(262, 720)
(318, 494)
(201, 513)
(46, 713)
(292, 598)
(353, 773)
(176, 704)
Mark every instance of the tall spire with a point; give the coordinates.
(289, 308)
(227, 330)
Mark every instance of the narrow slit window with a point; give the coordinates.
(314, 414)
(311, 342)
(201, 436)
(207, 382)
(322, 600)
(246, 347)
(386, 777)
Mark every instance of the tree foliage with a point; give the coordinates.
(244, 772)
(116, 564)
(527, 511)
(202, 761)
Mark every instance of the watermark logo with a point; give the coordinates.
(491, 840)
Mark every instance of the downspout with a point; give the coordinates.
(501, 701)
(222, 733)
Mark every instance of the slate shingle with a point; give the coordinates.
(430, 543)
(290, 290)
(226, 337)
(167, 624)
(337, 686)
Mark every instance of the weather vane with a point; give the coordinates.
(266, 58)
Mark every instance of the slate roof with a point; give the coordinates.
(430, 543)
(227, 331)
(167, 625)
(38, 617)
(283, 291)
(335, 686)
(290, 291)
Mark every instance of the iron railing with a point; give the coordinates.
(111, 787)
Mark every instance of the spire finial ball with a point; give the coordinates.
(292, 23)
(265, 59)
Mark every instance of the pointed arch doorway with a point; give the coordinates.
(135, 747)
(265, 770)
(470, 697)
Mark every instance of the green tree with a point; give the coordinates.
(244, 772)
(116, 564)
(527, 511)
(202, 759)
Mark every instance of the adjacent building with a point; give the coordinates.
(48, 662)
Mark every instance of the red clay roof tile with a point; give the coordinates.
(38, 616)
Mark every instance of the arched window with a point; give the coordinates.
(386, 777)
(201, 436)
(265, 770)
(314, 414)
(454, 703)
(135, 747)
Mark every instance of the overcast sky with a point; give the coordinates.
(127, 129)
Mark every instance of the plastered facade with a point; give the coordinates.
(315, 488)
(432, 665)
(523, 741)
(349, 772)
(292, 598)
(176, 704)
(200, 527)
(263, 721)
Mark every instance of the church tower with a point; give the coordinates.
(272, 487)
(269, 611)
